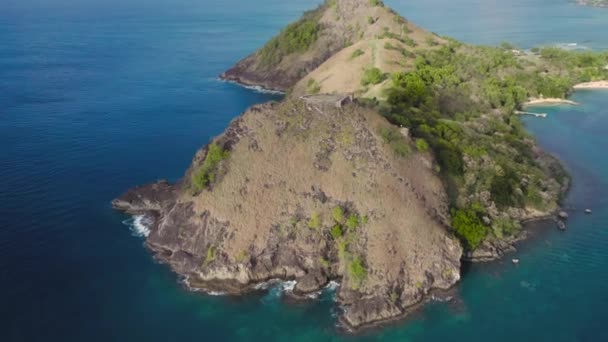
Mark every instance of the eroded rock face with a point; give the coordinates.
(271, 213)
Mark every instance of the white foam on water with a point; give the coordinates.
(255, 88)
(332, 285)
(288, 286)
(139, 225)
(186, 281)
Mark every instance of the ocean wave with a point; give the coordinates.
(186, 281)
(139, 225)
(571, 46)
(258, 89)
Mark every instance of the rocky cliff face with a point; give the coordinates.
(312, 192)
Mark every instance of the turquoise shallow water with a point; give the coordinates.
(97, 98)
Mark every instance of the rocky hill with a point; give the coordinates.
(304, 45)
(305, 190)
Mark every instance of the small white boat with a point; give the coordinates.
(587, 211)
(515, 261)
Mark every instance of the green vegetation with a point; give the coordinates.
(422, 145)
(372, 76)
(392, 136)
(336, 231)
(241, 256)
(469, 227)
(430, 41)
(404, 52)
(458, 102)
(357, 53)
(206, 174)
(353, 222)
(376, 3)
(370, 20)
(505, 227)
(296, 37)
(210, 255)
(315, 221)
(312, 87)
(357, 271)
(338, 214)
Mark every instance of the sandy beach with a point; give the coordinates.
(548, 101)
(592, 85)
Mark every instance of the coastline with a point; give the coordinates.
(592, 85)
(550, 101)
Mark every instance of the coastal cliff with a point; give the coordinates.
(395, 154)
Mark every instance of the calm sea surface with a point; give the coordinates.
(96, 97)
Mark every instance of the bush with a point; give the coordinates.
(206, 174)
(372, 76)
(357, 271)
(395, 139)
(338, 214)
(210, 255)
(353, 222)
(357, 53)
(336, 231)
(312, 87)
(469, 227)
(422, 145)
(315, 221)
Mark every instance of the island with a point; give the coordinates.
(395, 155)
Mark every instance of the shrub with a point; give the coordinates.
(357, 271)
(210, 255)
(422, 145)
(353, 222)
(336, 231)
(395, 139)
(315, 221)
(338, 214)
(469, 227)
(376, 3)
(372, 76)
(357, 53)
(206, 174)
(312, 87)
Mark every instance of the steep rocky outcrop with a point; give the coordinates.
(310, 192)
(318, 35)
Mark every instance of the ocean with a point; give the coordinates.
(98, 97)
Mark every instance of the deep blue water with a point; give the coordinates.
(96, 98)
